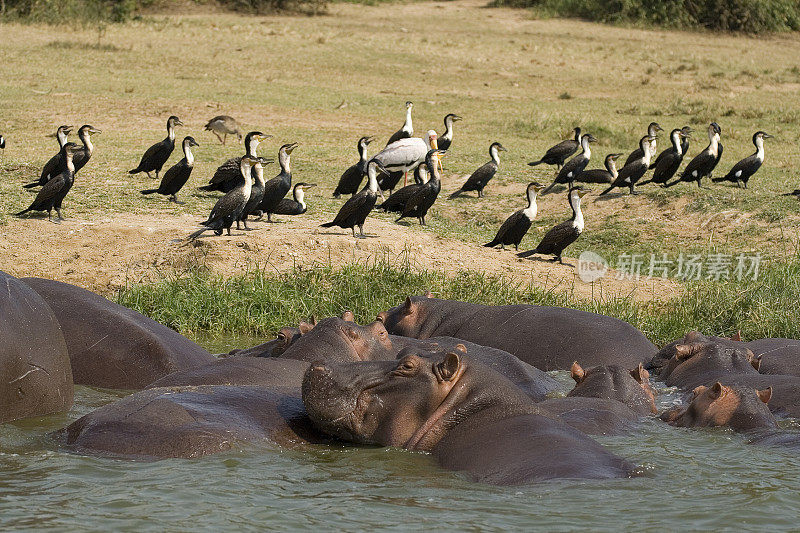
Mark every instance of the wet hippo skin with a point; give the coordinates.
(468, 417)
(35, 373)
(742, 409)
(263, 371)
(111, 346)
(336, 339)
(549, 338)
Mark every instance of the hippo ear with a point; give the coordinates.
(461, 348)
(305, 327)
(683, 351)
(765, 395)
(640, 374)
(449, 366)
(577, 372)
(312, 320)
(738, 336)
(428, 294)
(716, 390)
(348, 316)
(756, 362)
(408, 305)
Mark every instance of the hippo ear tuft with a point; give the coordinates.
(577, 372)
(305, 327)
(348, 316)
(409, 304)
(312, 320)
(683, 351)
(765, 395)
(738, 336)
(449, 366)
(461, 348)
(716, 390)
(756, 362)
(428, 294)
(640, 374)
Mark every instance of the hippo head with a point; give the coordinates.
(692, 360)
(407, 318)
(631, 387)
(387, 403)
(335, 339)
(660, 360)
(740, 408)
(285, 338)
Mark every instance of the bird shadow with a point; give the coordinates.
(540, 259)
(366, 235)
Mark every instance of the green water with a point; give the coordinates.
(694, 479)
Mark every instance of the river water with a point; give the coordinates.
(692, 479)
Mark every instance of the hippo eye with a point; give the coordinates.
(406, 367)
(281, 336)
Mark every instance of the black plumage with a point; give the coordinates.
(600, 175)
(351, 178)
(652, 131)
(177, 175)
(297, 204)
(631, 173)
(397, 201)
(228, 175)
(425, 196)
(157, 155)
(276, 189)
(84, 153)
(53, 192)
(389, 180)
(517, 225)
(703, 163)
(575, 166)
(556, 155)
(229, 208)
(481, 177)
(408, 127)
(256, 191)
(56, 163)
(446, 139)
(744, 169)
(2, 143)
(669, 161)
(562, 235)
(354, 212)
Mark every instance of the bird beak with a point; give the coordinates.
(382, 168)
(538, 188)
(369, 139)
(502, 148)
(178, 122)
(583, 192)
(291, 147)
(309, 185)
(94, 131)
(264, 137)
(456, 117)
(767, 136)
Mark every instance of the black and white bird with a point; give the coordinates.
(446, 138)
(83, 155)
(355, 210)
(744, 169)
(56, 163)
(228, 209)
(632, 172)
(397, 201)
(156, 156)
(562, 235)
(2, 143)
(669, 161)
(351, 178)
(403, 156)
(297, 204)
(703, 163)
(652, 131)
(517, 225)
(425, 196)
(481, 177)
(408, 127)
(556, 155)
(53, 192)
(278, 187)
(256, 191)
(225, 125)
(599, 175)
(575, 166)
(228, 175)
(177, 175)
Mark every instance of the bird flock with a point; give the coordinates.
(246, 193)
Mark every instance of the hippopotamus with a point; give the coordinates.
(336, 339)
(274, 348)
(742, 409)
(35, 374)
(469, 418)
(192, 422)
(549, 338)
(111, 346)
(532, 381)
(270, 372)
(605, 400)
(703, 363)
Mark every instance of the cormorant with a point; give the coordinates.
(225, 125)
(256, 191)
(632, 172)
(297, 206)
(517, 225)
(408, 127)
(744, 169)
(53, 192)
(425, 196)
(481, 177)
(402, 156)
(685, 142)
(652, 132)
(669, 161)
(178, 174)
(351, 178)
(155, 156)
(228, 176)
(446, 139)
(56, 163)
(562, 235)
(703, 163)
(276, 189)
(2, 143)
(556, 155)
(574, 166)
(355, 210)
(397, 201)
(599, 175)
(229, 207)
(83, 155)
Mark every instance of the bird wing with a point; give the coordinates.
(595, 175)
(226, 206)
(720, 149)
(574, 167)
(396, 136)
(228, 170)
(160, 150)
(666, 165)
(562, 150)
(416, 200)
(350, 207)
(398, 200)
(636, 154)
(171, 173)
(509, 223)
(53, 165)
(481, 176)
(744, 165)
(50, 189)
(559, 237)
(402, 152)
(695, 166)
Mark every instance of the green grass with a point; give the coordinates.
(260, 302)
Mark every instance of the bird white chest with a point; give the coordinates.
(189, 156)
(760, 149)
(530, 211)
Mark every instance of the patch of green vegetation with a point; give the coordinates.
(260, 302)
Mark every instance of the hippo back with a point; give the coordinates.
(262, 371)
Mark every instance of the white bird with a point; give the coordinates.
(405, 154)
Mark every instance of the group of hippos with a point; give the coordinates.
(467, 384)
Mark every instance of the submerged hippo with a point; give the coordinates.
(336, 339)
(605, 400)
(263, 371)
(742, 409)
(274, 348)
(470, 418)
(191, 422)
(111, 346)
(549, 338)
(703, 363)
(35, 374)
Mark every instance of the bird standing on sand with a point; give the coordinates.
(225, 125)
(742, 171)
(517, 225)
(178, 174)
(632, 172)
(56, 163)
(703, 163)
(402, 156)
(155, 156)
(228, 175)
(297, 205)
(562, 235)
(351, 178)
(276, 189)
(256, 191)
(556, 155)
(481, 177)
(355, 210)
(669, 161)
(425, 196)
(229, 208)
(53, 192)
(575, 166)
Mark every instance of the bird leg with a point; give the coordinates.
(245, 225)
(60, 216)
(156, 174)
(361, 231)
(224, 137)
(148, 175)
(237, 227)
(229, 231)
(480, 193)
(218, 137)
(354, 231)
(405, 179)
